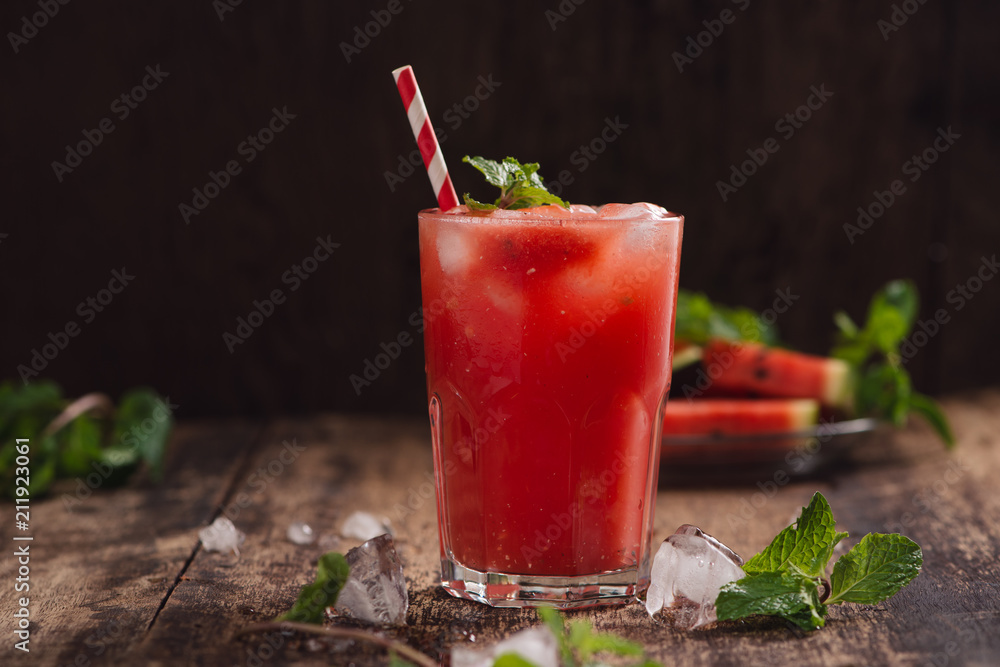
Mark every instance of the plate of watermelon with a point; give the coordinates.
(740, 403)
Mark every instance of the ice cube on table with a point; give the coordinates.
(300, 533)
(688, 571)
(222, 536)
(537, 645)
(365, 526)
(376, 589)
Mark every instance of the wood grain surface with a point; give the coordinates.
(123, 579)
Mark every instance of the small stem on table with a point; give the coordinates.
(402, 649)
(826, 589)
(95, 401)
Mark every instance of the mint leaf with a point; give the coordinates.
(82, 446)
(512, 660)
(501, 174)
(396, 661)
(875, 569)
(43, 397)
(554, 622)
(806, 546)
(882, 386)
(699, 320)
(520, 185)
(331, 575)
(578, 644)
(142, 423)
(604, 642)
(786, 594)
(891, 314)
(477, 206)
(852, 345)
(526, 196)
(68, 438)
(931, 411)
(552, 619)
(883, 390)
(584, 642)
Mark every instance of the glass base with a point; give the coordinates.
(525, 590)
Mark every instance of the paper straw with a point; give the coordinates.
(427, 141)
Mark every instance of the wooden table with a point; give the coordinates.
(120, 577)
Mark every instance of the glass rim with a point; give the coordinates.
(484, 217)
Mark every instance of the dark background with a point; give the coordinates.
(325, 174)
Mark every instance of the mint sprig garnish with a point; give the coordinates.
(520, 185)
(882, 386)
(785, 578)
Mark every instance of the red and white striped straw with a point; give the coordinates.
(427, 141)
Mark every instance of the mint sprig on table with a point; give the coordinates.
(76, 438)
(579, 645)
(785, 578)
(882, 386)
(310, 607)
(520, 185)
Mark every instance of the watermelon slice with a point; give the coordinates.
(777, 373)
(739, 416)
(685, 354)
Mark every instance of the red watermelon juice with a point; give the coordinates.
(548, 346)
